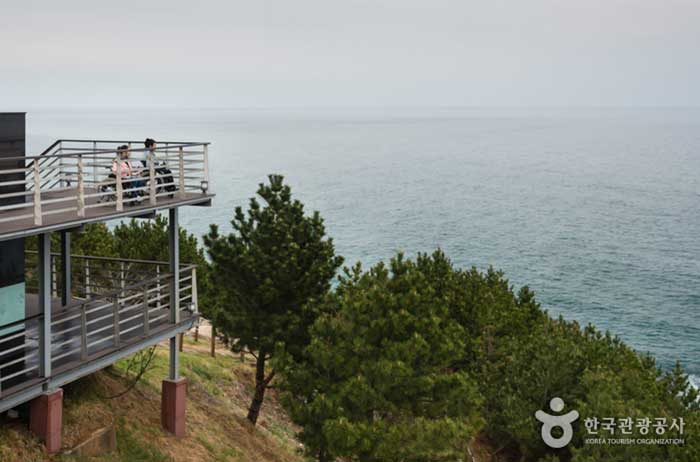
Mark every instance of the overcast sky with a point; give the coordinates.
(257, 53)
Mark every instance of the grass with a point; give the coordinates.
(218, 394)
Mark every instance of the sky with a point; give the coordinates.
(329, 53)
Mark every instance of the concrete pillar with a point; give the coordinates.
(46, 418)
(173, 406)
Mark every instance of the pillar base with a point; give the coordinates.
(46, 417)
(173, 406)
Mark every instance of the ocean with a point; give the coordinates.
(597, 210)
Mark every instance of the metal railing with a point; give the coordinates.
(121, 300)
(74, 176)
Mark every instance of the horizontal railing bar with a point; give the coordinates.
(12, 337)
(170, 144)
(12, 183)
(11, 376)
(101, 340)
(10, 171)
(61, 321)
(140, 315)
(110, 315)
(132, 307)
(183, 266)
(56, 346)
(75, 152)
(67, 353)
(53, 212)
(97, 331)
(15, 218)
(16, 194)
(158, 318)
(19, 360)
(56, 201)
(61, 332)
(10, 350)
(98, 308)
(138, 326)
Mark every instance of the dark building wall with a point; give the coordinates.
(12, 144)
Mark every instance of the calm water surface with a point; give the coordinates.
(595, 209)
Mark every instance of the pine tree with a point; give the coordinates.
(265, 272)
(379, 381)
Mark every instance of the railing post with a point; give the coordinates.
(83, 333)
(146, 314)
(206, 167)
(122, 277)
(116, 321)
(194, 300)
(94, 160)
(119, 187)
(60, 172)
(81, 188)
(54, 278)
(87, 278)
(66, 273)
(152, 178)
(181, 158)
(158, 287)
(37, 194)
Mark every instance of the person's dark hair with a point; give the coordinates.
(149, 142)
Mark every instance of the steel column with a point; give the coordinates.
(44, 282)
(174, 247)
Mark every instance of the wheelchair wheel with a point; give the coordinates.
(107, 193)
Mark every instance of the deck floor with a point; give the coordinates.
(66, 219)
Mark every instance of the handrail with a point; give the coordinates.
(129, 141)
(115, 259)
(86, 151)
(81, 178)
(117, 292)
(89, 328)
(55, 143)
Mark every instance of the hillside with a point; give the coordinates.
(218, 394)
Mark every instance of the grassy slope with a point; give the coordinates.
(218, 394)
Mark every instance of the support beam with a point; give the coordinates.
(66, 290)
(44, 282)
(174, 247)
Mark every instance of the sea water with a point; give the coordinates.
(597, 210)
